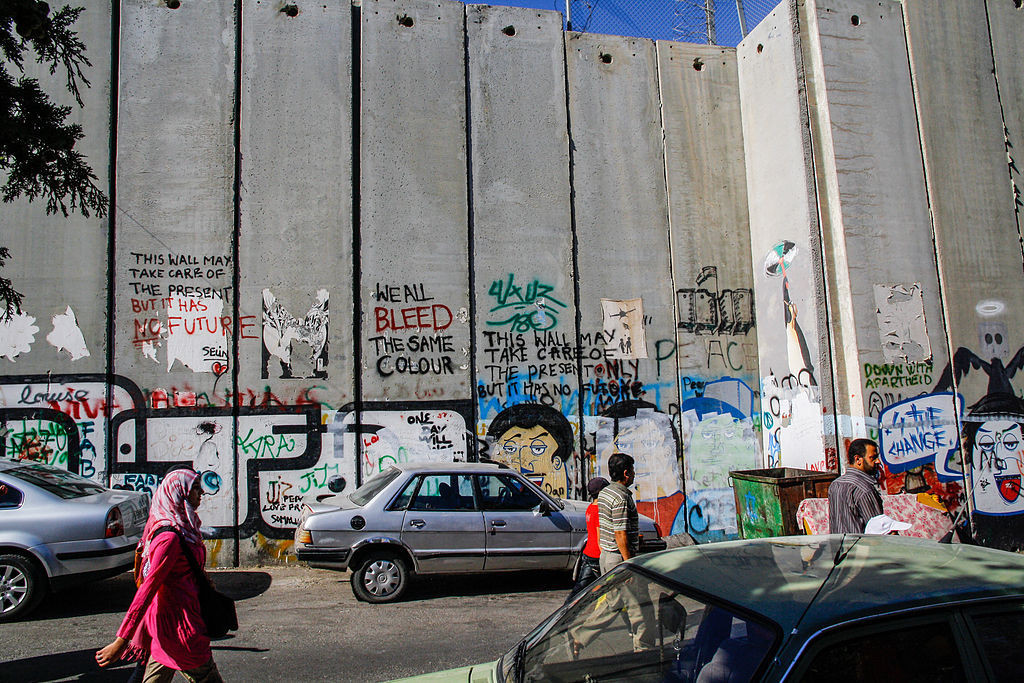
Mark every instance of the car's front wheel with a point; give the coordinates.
(21, 589)
(381, 577)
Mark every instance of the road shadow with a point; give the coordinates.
(114, 595)
(434, 587)
(241, 585)
(79, 665)
(99, 597)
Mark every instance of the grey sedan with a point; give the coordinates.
(59, 529)
(444, 518)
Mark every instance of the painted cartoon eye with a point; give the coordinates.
(1010, 442)
(988, 338)
(509, 447)
(986, 442)
(999, 338)
(538, 448)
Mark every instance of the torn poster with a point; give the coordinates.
(17, 335)
(901, 324)
(624, 328)
(67, 336)
(281, 330)
(197, 333)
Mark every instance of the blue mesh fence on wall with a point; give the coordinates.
(719, 22)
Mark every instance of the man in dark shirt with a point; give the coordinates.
(853, 498)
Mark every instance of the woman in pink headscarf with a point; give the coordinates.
(163, 629)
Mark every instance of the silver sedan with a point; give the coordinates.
(59, 529)
(444, 518)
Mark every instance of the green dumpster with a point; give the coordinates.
(766, 500)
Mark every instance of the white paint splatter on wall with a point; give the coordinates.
(17, 335)
(624, 328)
(66, 335)
(901, 323)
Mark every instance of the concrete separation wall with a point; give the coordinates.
(428, 231)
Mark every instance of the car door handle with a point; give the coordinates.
(418, 523)
(497, 522)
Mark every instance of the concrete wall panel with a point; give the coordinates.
(173, 292)
(295, 261)
(889, 337)
(522, 242)
(715, 342)
(784, 235)
(59, 262)
(60, 266)
(977, 240)
(413, 193)
(626, 295)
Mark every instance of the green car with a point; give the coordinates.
(802, 608)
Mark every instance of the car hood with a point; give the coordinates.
(477, 673)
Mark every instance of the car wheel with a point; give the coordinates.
(20, 587)
(382, 577)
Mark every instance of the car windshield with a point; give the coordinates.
(56, 481)
(374, 485)
(629, 626)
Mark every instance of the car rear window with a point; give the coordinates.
(924, 653)
(374, 485)
(60, 483)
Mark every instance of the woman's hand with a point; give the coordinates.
(111, 653)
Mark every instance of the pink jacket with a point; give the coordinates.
(164, 618)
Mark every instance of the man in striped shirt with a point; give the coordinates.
(853, 498)
(618, 523)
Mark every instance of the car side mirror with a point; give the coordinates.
(544, 509)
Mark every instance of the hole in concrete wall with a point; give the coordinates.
(697, 64)
(173, 4)
(405, 20)
(855, 20)
(126, 449)
(760, 48)
(509, 30)
(1018, 3)
(290, 10)
(605, 58)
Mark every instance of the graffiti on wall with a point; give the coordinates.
(641, 430)
(257, 462)
(409, 332)
(282, 330)
(708, 310)
(718, 430)
(180, 308)
(536, 440)
(623, 328)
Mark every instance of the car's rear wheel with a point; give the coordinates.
(381, 577)
(21, 587)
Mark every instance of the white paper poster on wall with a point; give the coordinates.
(66, 335)
(196, 335)
(624, 328)
(901, 323)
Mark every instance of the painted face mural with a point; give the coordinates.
(537, 441)
(997, 457)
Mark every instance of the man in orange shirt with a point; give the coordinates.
(590, 567)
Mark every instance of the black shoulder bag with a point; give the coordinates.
(218, 610)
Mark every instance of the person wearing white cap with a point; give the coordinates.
(884, 525)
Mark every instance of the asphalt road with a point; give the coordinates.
(298, 624)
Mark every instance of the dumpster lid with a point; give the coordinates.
(775, 475)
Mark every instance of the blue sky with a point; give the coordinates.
(657, 19)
